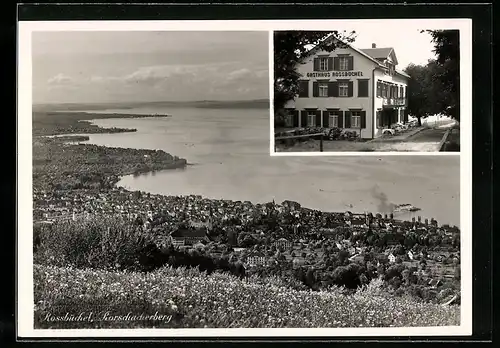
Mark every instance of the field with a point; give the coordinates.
(188, 298)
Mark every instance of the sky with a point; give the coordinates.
(94, 67)
(118, 66)
(409, 44)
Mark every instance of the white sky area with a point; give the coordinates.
(116, 66)
(93, 67)
(410, 45)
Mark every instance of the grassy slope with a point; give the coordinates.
(219, 300)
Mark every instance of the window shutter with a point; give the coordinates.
(326, 119)
(303, 118)
(336, 63)
(335, 89)
(341, 119)
(331, 89)
(363, 119)
(316, 64)
(347, 120)
(304, 89)
(350, 63)
(330, 63)
(315, 89)
(362, 88)
(350, 88)
(318, 118)
(295, 118)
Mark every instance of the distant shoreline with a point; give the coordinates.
(208, 104)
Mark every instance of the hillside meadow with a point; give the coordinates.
(197, 300)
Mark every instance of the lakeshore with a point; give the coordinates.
(67, 122)
(75, 192)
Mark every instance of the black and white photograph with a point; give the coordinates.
(153, 205)
(367, 87)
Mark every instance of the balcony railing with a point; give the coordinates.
(394, 101)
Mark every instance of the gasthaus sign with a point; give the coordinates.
(335, 74)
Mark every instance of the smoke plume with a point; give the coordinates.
(383, 203)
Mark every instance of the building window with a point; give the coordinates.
(289, 120)
(343, 63)
(343, 89)
(379, 89)
(311, 118)
(323, 89)
(323, 63)
(362, 88)
(356, 119)
(401, 92)
(333, 119)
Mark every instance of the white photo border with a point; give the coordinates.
(24, 281)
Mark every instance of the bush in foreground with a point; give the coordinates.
(102, 242)
(194, 299)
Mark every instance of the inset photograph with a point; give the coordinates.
(367, 88)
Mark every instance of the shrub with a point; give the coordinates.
(101, 242)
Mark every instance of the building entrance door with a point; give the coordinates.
(389, 117)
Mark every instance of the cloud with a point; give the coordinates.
(221, 80)
(60, 79)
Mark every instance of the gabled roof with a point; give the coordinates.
(358, 221)
(381, 53)
(255, 253)
(183, 232)
(402, 73)
(332, 37)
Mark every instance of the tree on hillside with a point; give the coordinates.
(290, 49)
(447, 49)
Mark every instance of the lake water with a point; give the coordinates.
(230, 152)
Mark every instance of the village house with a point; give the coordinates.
(359, 223)
(392, 258)
(357, 258)
(296, 262)
(283, 243)
(435, 283)
(184, 236)
(354, 89)
(256, 258)
(440, 258)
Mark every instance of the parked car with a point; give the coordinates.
(388, 131)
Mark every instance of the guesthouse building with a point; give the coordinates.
(353, 89)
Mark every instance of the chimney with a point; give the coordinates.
(374, 45)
